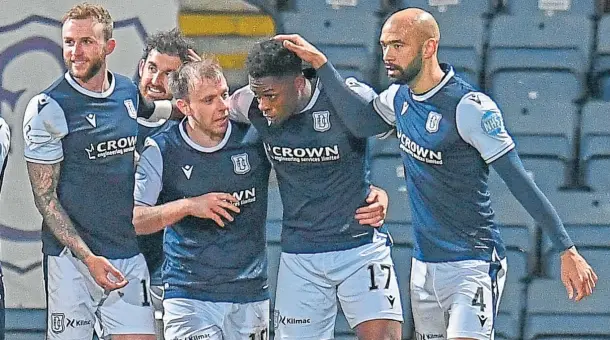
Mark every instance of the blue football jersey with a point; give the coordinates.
(321, 170)
(448, 136)
(202, 260)
(94, 136)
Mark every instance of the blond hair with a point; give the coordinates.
(96, 12)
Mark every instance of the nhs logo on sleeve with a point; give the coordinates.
(241, 165)
(321, 121)
(492, 123)
(433, 122)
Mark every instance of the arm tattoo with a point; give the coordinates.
(44, 178)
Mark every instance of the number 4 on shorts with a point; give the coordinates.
(478, 299)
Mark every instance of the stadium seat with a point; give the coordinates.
(540, 44)
(550, 313)
(543, 141)
(586, 214)
(601, 58)
(462, 9)
(26, 324)
(525, 8)
(595, 145)
(529, 87)
(461, 45)
(350, 46)
(354, 6)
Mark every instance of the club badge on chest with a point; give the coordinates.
(433, 122)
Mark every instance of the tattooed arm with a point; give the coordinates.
(44, 178)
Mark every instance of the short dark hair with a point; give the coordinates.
(170, 42)
(270, 58)
(182, 81)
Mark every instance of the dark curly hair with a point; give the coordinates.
(170, 42)
(270, 58)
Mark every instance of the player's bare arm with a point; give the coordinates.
(44, 179)
(214, 206)
(374, 213)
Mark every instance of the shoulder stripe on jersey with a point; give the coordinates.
(44, 161)
(142, 204)
(501, 153)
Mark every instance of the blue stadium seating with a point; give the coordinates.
(595, 145)
(321, 5)
(586, 217)
(552, 46)
(25, 324)
(550, 313)
(544, 142)
(470, 8)
(601, 68)
(529, 8)
(350, 45)
(461, 45)
(530, 87)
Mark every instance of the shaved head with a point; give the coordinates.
(409, 39)
(417, 22)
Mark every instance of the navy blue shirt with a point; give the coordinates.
(321, 170)
(94, 136)
(202, 260)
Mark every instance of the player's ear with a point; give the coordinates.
(110, 45)
(299, 83)
(141, 67)
(183, 106)
(430, 48)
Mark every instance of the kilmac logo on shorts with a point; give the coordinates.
(109, 148)
(279, 319)
(303, 155)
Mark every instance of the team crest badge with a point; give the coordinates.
(241, 165)
(433, 122)
(57, 322)
(321, 121)
(131, 109)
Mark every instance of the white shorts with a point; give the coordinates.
(76, 303)
(456, 299)
(195, 319)
(308, 285)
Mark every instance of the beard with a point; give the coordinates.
(409, 73)
(95, 65)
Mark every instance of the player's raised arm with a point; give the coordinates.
(364, 118)
(44, 126)
(480, 123)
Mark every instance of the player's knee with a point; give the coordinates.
(379, 330)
